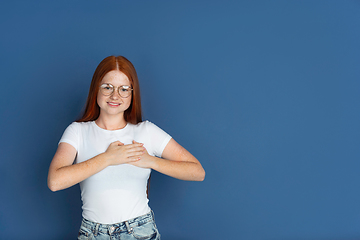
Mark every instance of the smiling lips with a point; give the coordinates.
(113, 104)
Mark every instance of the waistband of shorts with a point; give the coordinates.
(118, 227)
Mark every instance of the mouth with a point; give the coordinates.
(113, 104)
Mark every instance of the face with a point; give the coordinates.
(114, 104)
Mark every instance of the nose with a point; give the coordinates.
(115, 94)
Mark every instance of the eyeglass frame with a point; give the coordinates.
(118, 89)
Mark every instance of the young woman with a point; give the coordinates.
(110, 151)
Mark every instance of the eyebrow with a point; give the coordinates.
(114, 86)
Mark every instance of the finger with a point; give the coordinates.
(117, 143)
(134, 154)
(134, 159)
(135, 142)
(135, 150)
(134, 146)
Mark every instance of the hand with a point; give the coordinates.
(145, 161)
(118, 153)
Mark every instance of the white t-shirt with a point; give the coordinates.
(117, 193)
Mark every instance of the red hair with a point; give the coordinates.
(92, 109)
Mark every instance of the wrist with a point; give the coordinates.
(106, 158)
(154, 162)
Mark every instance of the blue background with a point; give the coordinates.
(266, 94)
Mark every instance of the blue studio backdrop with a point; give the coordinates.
(266, 94)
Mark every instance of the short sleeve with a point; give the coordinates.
(71, 135)
(159, 138)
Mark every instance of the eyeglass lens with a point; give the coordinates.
(108, 89)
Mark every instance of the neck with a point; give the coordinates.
(113, 123)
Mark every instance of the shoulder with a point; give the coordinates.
(153, 129)
(145, 125)
(75, 132)
(79, 126)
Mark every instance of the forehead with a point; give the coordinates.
(116, 78)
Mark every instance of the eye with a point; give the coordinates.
(106, 87)
(125, 88)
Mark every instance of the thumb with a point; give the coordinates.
(119, 143)
(133, 141)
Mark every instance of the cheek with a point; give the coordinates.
(128, 102)
(98, 99)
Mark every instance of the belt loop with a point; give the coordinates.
(96, 229)
(130, 229)
(152, 215)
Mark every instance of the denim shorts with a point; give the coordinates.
(142, 227)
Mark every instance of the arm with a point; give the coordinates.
(63, 173)
(176, 162)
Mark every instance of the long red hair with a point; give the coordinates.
(92, 110)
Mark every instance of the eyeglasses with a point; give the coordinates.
(107, 89)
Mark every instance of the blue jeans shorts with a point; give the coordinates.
(142, 227)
